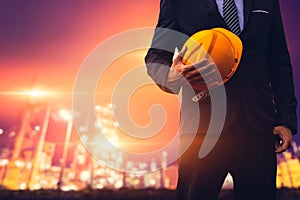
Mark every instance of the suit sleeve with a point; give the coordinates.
(165, 40)
(282, 74)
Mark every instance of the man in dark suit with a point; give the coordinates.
(261, 104)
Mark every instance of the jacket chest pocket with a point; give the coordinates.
(260, 20)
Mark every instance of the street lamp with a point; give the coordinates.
(10, 180)
(35, 163)
(27, 117)
(68, 117)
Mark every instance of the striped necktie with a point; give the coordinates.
(230, 16)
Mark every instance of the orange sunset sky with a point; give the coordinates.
(43, 44)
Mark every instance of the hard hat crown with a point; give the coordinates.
(218, 45)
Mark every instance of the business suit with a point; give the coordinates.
(260, 95)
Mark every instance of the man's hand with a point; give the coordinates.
(194, 73)
(285, 135)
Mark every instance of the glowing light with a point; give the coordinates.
(99, 186)
(12, 134)
(85, 175)
(83, 128)
(23, 186)
(4, 162)
(69, 188)
(80, 159)
(29, 165)
(36, 93)
(19, 163)
(37, 128)
(65, 114)
(84, 138)
(142, 165)
(98, 107)
(1, 131)
(118, 184)
(152, 182)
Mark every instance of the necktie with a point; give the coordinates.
(230, 16)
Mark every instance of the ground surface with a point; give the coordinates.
(123, 194)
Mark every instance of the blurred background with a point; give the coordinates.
(42, 46)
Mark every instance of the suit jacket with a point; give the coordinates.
(262, 88)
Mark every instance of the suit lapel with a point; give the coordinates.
(213, 8)
(247, 11)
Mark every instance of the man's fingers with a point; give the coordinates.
(200, 69)
(183, 51)
(180, 55)
(209, 73)
(197, 65)
(214, 84)
(201, 63)
(279, 149)
(200, 73)
(285, 136)
(285, 144)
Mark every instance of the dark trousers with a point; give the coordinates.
(247, 155)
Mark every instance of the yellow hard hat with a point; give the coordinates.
(219, 45)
